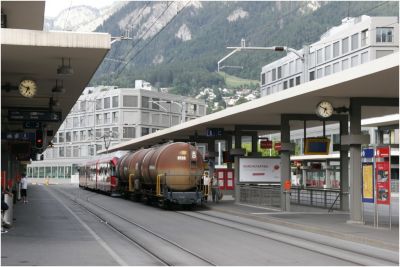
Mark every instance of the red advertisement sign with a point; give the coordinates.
(383, 152)
(277, 146)
(382, 171)
(266, 144)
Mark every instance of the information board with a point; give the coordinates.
(259, 170)
(368, 182)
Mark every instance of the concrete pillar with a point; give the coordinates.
(344, 169)
(228, 148)
(285, 162)
(211, 157)
(355, 164)
(238, 145)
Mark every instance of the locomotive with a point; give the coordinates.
(170, 173)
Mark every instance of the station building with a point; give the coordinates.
(105, 116)
(354, 42)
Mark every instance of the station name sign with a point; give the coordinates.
(34, 115)
(214, 132)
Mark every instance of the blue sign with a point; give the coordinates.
(215, 132)
(368, 153)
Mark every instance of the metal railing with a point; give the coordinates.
(269, 196)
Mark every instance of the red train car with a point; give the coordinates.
(100, 174)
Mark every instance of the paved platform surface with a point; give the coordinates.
(45, 232)
(316, 220)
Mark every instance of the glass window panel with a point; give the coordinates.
(130, 101)
(345, 45)
(354, 41)
(115, 101)
(336, 49)
(107, 102)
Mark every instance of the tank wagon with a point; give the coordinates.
(170, 173)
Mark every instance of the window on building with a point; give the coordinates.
(319, 56)
(279, 72)
(128, 132)
(98, 133)
(83, 105)
(298, 65)
(312, 75)
(145, 117)
(82, 121)
(91, 150)
(298, 80)
(345, 64)
(106, 132)
(382, 53)
(291, 82)
(83, 135)
(54, 139)
(285, 85)
(319, 73)
(345, 45)
(165, 120)
(130, 101)
(90, 134)
(273, 74)
(115, 101)
(312, 60)
(75, 136)
(336, 49)
(68, 123)
(115, 117)
(99, 104)
(262, 78)
(68, 151)
(75, 151)
(68, 137)
(98, 148)
(107, 118)
(384, 35)
(291, 68)
(328, 52)
(268, 77)
(202, 110)
(61, 137)
(76, 122)
(155, 105)
(153, 130)
(285, 70)
(98, 119)
(354, 61)
(145, 131)
(364, 37)
(115, 133)
(336, 67)
(327, 70)
(354, 41)
(364, 57)
(107, 103)
(145, 102)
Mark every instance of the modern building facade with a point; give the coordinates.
(354, 42)
(105, 116)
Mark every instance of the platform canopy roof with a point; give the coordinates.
(28, 52)
(375, 79)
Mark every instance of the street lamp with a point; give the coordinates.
(244, 47)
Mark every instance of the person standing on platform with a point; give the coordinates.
(24, 188)
(214, 188)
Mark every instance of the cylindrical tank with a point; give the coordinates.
(180, 164)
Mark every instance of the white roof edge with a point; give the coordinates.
(368, 68)
(55, 39)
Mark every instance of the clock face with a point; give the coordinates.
(27, 88)
(324, 109)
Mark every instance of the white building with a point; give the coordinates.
(355, 41)
(104, 116)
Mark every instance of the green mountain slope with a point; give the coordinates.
(190, 65)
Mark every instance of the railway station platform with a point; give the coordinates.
(46, 231)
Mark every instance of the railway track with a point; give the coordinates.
(166, 252)
(343, 250)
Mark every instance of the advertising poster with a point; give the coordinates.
(382, 172)
(368, 183)
(260, 170)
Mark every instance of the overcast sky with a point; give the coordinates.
(53, 7)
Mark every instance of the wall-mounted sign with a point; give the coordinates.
(278, 146)
(368, 153)
(34, 115)
(316, 146)
(18, 136)
(260, 170)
